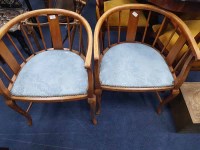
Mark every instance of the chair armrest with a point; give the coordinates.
(88, 59)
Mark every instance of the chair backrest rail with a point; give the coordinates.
(132, 25)
(108, 31)
(146, 26)
(181, 61)
(119, 27)
(9, 58)
(174, 51)
(69, 33)
(6, 75)
(27, 38)
(41, 33)
(16, 48)
(159, 31)
(167, 43)
(81, 49)
(55, 31)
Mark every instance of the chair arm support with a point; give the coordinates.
(90, 83)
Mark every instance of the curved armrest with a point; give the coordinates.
(88, 59)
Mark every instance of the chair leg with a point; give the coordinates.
(98, 93)
(173, 94)
(92, 103)
(12, 104)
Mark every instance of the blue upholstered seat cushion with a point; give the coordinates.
(52, 73)
(134, 65)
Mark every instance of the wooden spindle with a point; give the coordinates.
(80, 39)
(26, 36)
(6, 75)
(29, 107)
(16, 48)
(159, 97)
(73, 34)
(41, 33)
(185, 70)
(119, 27)
(171, 36)
(69, 34)
(159, 31)
(181, 61)
(108, 31)
(175, 49)
(146, 26)
(9, 58)
(34, 36)
(101, 41)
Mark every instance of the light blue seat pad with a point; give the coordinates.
(52, 73)
(134, 65)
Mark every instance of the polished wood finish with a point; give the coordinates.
(182, 66)
(178, 6)
(55, 31)
(132, 26)
(13, 62)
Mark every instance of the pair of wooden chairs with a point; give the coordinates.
(60, 72)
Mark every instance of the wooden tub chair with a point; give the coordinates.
(139, 65)
(58, 72)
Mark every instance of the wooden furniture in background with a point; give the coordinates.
(73, 5)
(193, 25)
(186, 6)
(54, 73)
(140, 65)
(188, 11)
(186, 108)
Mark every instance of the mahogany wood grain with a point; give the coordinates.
(55, 31)
(132, 25)
(9, 58)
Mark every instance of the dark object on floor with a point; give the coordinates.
(4, 148)
(186, 108)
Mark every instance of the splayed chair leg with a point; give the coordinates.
(173, 94)
(92, 103)
(98, 93)
(12, 104)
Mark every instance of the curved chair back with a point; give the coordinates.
(49, 37)
(179, 68)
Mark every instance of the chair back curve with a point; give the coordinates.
(179, 67)
(46, 34)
